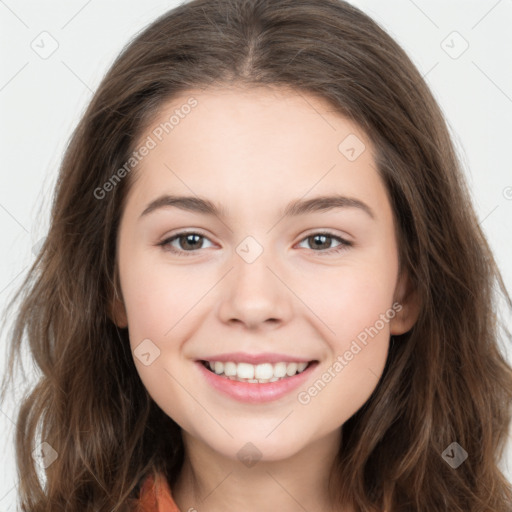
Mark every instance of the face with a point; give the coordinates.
(255, 268)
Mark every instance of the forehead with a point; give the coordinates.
(266, 144)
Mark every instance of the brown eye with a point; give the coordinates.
(321, 242)
(186, 242)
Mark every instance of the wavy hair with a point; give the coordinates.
(445, 380)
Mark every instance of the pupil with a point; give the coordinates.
(324, 237)
(188, 237)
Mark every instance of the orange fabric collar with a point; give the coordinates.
(156, 496)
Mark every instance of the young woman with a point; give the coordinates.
(264, 286)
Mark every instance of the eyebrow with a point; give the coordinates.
(293, 209)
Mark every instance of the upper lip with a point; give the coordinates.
(267, 357)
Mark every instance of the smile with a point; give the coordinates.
(255, 383)
(260, 373)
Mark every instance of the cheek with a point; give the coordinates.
(361, 326)
(350, 298)
(343, 386)
(159, 306)
(158, 297)
(356, 304)
(358, 351)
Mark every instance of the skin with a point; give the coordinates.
(253, 151)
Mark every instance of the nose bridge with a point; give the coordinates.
(253, 281)
(254, 294)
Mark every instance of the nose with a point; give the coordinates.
(255, 295)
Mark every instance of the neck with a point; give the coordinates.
(212, 482)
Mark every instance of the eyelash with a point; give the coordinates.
(344, 244)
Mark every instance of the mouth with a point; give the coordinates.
(262, 373)
(259, 383)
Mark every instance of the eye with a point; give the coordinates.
(190, 241)
(322, 239)
(187, 242)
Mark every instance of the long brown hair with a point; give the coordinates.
(445, 380)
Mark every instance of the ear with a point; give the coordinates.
(408, 307)
(117, 310)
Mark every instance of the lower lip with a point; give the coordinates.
(254, 392)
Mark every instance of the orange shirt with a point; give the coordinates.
(156, 496)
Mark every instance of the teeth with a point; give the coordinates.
(291, 369)
(245, 371)
(261, 373)
(264, 371)
(229, 369)
(280, 370)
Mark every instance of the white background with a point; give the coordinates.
(41, 101)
